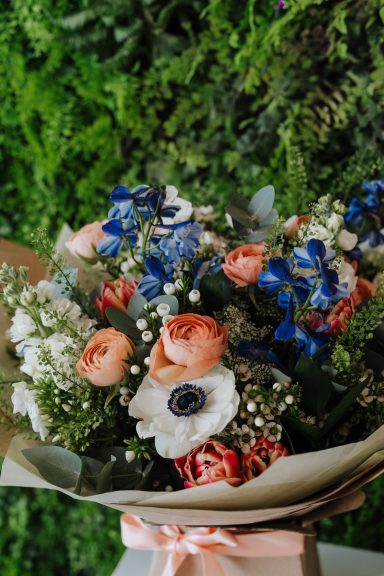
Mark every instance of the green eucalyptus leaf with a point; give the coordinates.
(262, 203)
(123, 323)
(104, 479)
(57, 465)
(280, 376)
(136, 306)
(315, 384)
(172, 302)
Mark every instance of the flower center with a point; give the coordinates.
(186, 399)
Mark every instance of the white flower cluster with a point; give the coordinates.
(47, 333)
(327, 224)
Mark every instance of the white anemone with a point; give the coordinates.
(182, 416)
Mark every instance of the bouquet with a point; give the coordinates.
(247, 364)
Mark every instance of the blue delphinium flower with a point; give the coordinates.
(182, 243)
(118, 234)
(200, 268)
(280, 275)
(151, 284)
(368, 215)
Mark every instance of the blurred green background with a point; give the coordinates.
(212, 96)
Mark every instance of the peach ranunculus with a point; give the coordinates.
(188, 347)
(244, 264)
(207, 463)
(83, 242)
(115, 294)
(106, 357)
(342, 313)
(262, 455)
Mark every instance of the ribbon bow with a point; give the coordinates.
(208, 542)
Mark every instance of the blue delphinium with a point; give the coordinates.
(118, 234)
(367, 216)
(301, 294)
(157, 274)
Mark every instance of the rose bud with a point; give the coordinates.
(105, 357)
(115, 294)
(209, 462)
(83, 243)
(262, 455)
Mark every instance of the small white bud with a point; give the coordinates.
(179, 284)
(147, 336)
(282, 406)
(147, 307)
(289, 399)
(167, 319)
(277, 386)
(252, 406)
(124, 400)
(86, 405)
(135, 369)
(259, 421)
(154, 315)
(161, 329)
(57, 400)
(248, 387)
(194, 296)
(27, 297)
(142, 324)
(124, 390)
(169, 288)
(66, 407)
(169, 488)
(130, 456)
(56, 438)
(163, 309)
(147, 361)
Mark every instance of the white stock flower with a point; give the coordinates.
(44, 291)
(22, 326)
(24, 403)
(335, 223)
(181, 416)
(347, 240)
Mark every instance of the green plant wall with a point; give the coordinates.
(213, 96)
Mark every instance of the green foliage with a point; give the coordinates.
(214, 97)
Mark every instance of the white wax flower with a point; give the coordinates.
(182, 416)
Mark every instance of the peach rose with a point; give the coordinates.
(244, 264)
(105, 357)
(188, 347)
(115, 294)
(342, 313)
(84, 242)
(207, 463)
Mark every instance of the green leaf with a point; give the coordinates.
(216, 290)
(57, 465)
(172, 302)
(315, 384)
(123, 323)
(136, 305)
(104, 479)
(113, 392)
(280, 376)
(342, 407)
(298, 430)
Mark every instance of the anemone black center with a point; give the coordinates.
(186, 400)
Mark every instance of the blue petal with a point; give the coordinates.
(109, 246)
(269, 282)
(150, 287)
(113, 227)
(302, 257)
(316, 249)
(156, 269)
(280, 268)
(120, 194)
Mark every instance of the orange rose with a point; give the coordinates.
(244, 264)
(105, 357)
(115, 294)
(188, 347)
(84, 242)
(346, 307)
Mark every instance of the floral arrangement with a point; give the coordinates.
(200, 358)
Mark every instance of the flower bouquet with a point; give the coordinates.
(206, 380)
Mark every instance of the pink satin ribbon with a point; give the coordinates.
(208, 542)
